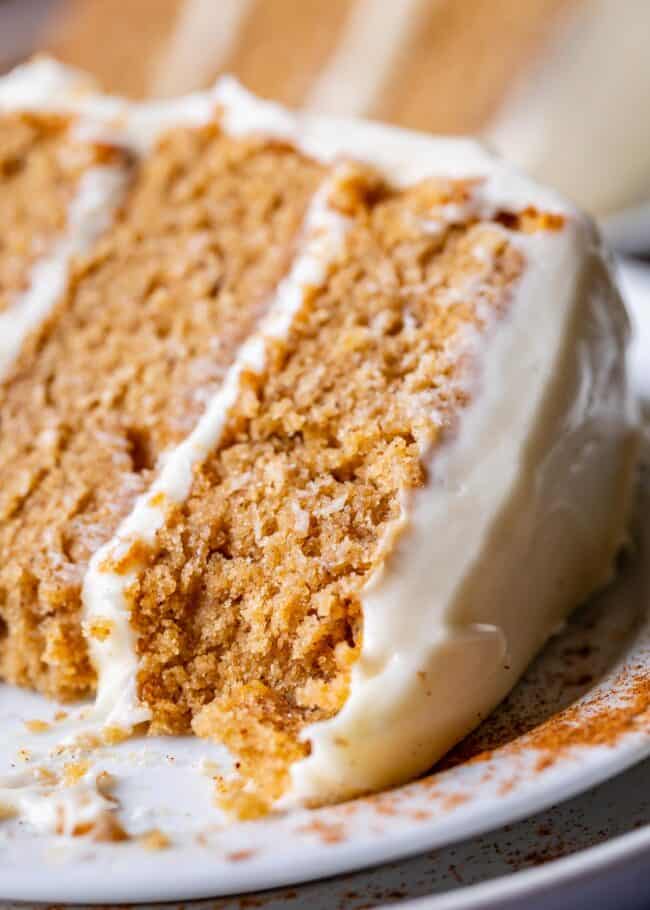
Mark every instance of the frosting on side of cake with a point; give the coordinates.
(537, 485)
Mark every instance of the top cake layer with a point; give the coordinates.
(312, 448)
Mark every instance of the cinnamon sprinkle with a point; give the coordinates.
(598, 720)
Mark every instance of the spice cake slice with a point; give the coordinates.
(336, 433)
(418, 464)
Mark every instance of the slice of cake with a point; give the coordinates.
(320, 432)
(527, 75)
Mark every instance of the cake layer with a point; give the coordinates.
(122, 369)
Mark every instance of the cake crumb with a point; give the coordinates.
(46, 776)
(100, 629)
(7, 812)
(112, 735)
(209, 768)
(74, 771)
(88, 741)
(105, 782)
(109, 830)
(37, 726)
(155, 840)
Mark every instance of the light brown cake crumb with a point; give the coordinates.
(155, 840)
(105, 783)
(37, 726)
(7, 812)
(100, 629)
(74, 771)
(108, 829)
(112, 735)
(46, 776)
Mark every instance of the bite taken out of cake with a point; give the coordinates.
(312, 431)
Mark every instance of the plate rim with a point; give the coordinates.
(532, 882)
(208, 878)
(204, 879)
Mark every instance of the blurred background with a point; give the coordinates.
(561, 87)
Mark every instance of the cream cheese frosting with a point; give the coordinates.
(527, 503)
(527, 507)
(51, 809)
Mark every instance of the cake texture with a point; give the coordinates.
(312, 435)
(527, 77)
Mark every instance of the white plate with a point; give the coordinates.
(569, 856)
(586, 679)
